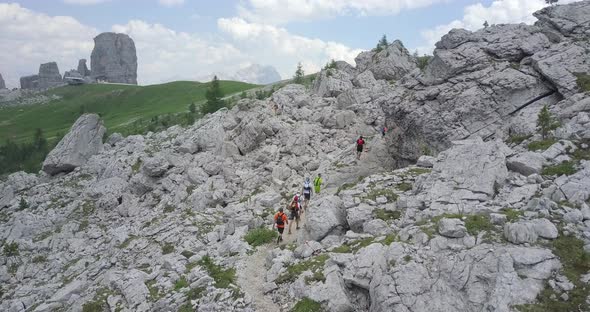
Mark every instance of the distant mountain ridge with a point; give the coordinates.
(255, 73)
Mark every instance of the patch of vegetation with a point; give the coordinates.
(99, 302)
(169, 209)
(418, 171)
(354, 246)
(136, 166)
(581, 154)
(389, 239)
(478, 223)
(223, 277)
(382, 44)
(576, 262)
(386, 215)
(42, 236)
(88, 208)
(448, 216)
(429, 231)
(26, 155)
(127, 241)
(314, 265)
(407, 258)
(317, 276)
(11, 249)
(389, 194)
(187, 307)
(404, 186)
(307, 305)
(195, 293)
(346, 186)
(260, 236)
(256, 191)
(167, 248)
(423, 61)
(583, 81)
(180, 283)
(512, 214)
(83, 225)
(565, 168)
(541, 145)
(22, 205)
(39, 259)
(154, 290)
(517, 139)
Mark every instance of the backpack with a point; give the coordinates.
(280, 220)
(360, 142)
(307, 188)
(296, 199)
(306, 185)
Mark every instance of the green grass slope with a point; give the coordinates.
(119, 105)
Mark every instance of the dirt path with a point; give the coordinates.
(252, 272)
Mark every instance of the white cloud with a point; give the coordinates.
(164, 54)
(85, 2)
(499, 12)
(283, 49)
(284, 11)
(30, 38)
(170, 3)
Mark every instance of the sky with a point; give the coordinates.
(189, 39)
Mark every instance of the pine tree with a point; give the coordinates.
(214, 97)
(485, 24)
(192, 108)
(551, 1)
(23, 204)
(382, 45)
(299, 73)
(544, 121)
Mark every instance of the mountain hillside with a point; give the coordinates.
(461, 204)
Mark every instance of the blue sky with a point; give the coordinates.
(190, 39)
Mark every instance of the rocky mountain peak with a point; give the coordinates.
(114, 58)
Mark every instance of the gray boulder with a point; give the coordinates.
(74, 150)
(114, 58)
(326, 216)
(2, 84)
(450, 227)
(545, 229)
(49, 75)
(155, 166)
(520, 232)
(526, 163)
(331, 82)
(393, 62)
(426, 161)
(568, 20)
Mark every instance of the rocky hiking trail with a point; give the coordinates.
(251, 271)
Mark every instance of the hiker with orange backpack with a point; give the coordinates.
(280, 221)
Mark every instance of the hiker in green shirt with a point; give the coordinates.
(317, 183)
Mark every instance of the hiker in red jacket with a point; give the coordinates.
(359, 147)
(280, 221)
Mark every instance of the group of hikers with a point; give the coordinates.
(297, 206)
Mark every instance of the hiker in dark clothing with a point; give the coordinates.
(360, 143)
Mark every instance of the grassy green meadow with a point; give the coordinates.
(118, 105)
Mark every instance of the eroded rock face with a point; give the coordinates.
(29, 82)
(114, 58)
(2, 84)
(392, 63)
(74, 150)
(82, 68)
(49, 75)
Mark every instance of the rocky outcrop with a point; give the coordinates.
(74, 150)
(2, 84)
(82, 68)
(29, 82)
(49, 75)
(114, 59)
(391, 63)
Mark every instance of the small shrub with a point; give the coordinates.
(342, 249)
(169, 209)
(423, 61)
(135, 167)
(317, 276)
(565, 168)
(404, 186)
(407, 258)
(583, 81)
(307, 305)
(153, 289)
(11, 249)
(546, 122)
(180, 283)
(83, 225)
(541, 145)
(345, 186)
(195, 293)
(512, 214)
(389, 239)
(260, 236)
(127, 241)
(223, 277)
(389, 194)
(386, 215)
(22, 205)
(39, 259)
(314, 264)
(478, 223)
(187, 307)
(93, 306)
(167, 248)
